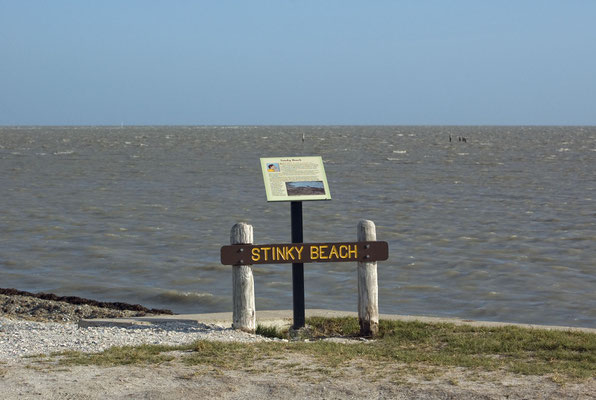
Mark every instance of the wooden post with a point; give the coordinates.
(244, 317)
(368, 290)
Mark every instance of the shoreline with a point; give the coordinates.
(43, 307)
(284, 318)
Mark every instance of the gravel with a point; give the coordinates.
(32, 326)
(20, 338)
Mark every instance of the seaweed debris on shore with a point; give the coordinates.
(81, 300)
(50, 307)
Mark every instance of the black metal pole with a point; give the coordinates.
(297, 268)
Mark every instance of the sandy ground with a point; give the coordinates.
(273, 378)
(279, 376)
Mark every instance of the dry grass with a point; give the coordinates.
(400, 346)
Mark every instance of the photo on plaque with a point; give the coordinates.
(273, 167)
(308, 188)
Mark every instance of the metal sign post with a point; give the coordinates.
(297, 268)
(295, 179)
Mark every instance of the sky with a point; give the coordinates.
(298, 62)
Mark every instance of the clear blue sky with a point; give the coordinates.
(285, 62)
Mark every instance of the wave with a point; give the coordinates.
(178, 297)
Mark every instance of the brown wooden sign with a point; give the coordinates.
(245, 254)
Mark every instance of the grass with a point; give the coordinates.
(271, 332)
(123, 355)
(518, 350)
(566, 355)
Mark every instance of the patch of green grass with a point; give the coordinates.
(233, 355)
(122, 355)
(519, 350)
(333, 327)
(272, 332)
(419, 346)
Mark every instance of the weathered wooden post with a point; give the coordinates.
(243, 283)
(368, 290)
(242, 254)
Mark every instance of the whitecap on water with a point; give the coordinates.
(182, 297)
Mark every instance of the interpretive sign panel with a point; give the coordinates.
(295, 179)
(304, 253)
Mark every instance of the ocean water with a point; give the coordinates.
(501, 227)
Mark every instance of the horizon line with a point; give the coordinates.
(283, 125)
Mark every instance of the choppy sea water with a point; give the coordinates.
(502, 227)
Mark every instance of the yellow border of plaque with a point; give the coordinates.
(295, 178)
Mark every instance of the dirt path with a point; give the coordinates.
(271, 378)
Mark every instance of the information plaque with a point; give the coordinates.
(295, 179)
